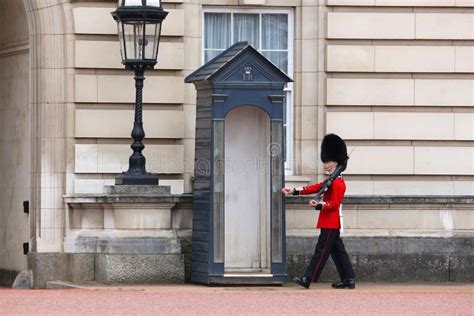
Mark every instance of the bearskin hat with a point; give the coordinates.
(333, 148)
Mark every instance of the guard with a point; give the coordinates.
(333, 154)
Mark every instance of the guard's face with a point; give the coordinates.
(330, 166)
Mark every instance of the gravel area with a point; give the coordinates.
(320, 299)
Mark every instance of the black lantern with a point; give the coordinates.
(139, 29)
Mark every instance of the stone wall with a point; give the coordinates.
(392, 259)
(392, 238)
(371, 71)
(105, 96)
(399, 89)
(104, 92)
(375, 259)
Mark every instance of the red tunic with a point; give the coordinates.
(329, 215)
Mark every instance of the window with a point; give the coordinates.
(269, 31)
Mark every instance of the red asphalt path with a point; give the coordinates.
(320, 299)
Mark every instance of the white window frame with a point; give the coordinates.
(289, 90)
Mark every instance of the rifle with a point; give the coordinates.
(327, 183)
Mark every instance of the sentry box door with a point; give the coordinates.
(238, 209)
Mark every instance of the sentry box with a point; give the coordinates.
(238, 208)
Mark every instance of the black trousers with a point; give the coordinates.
(330, 243)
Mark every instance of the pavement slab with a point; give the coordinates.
(320, 299)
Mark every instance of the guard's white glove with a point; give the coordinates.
(317, 204)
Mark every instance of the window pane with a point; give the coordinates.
(275, 31)
(217, 30)
(209, 54)
(246, 29)
(121, 39)
(280, 59)
(133, 35)
(151, 41)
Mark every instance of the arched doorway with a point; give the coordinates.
(15, 138)
(247, 190)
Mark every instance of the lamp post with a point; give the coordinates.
(139, 29)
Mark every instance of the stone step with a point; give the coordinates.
(62, 285)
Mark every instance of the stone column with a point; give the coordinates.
(192, 43)
(49, 94)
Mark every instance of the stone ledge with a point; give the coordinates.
(349, 199)
(127, 198)
(61, 285)
(139, 190)
(393, 199)
(385, 232)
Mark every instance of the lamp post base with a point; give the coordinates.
(136, 179)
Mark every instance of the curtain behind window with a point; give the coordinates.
(246, 28)
(217, 34)
(220, 33)
(275, 38)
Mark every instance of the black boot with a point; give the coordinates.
(303, 281)
(349, 283)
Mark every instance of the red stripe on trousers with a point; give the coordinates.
(322, 256)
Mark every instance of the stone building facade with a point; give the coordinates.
(394, 78)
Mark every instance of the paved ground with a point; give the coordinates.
(366, 299)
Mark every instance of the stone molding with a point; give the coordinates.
(77, 199)
(49, 25)
(290, 200)
(394, 199)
